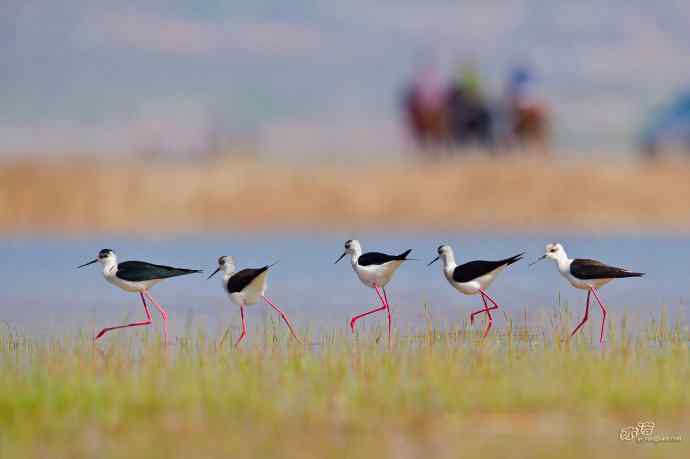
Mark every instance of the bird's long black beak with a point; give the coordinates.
(433, 261)
(87, 264)
(536, 261)
(213, 273)
(340, 258)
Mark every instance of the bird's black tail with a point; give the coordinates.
(183, 271)
(403, 256)
(629, 274)
(513, 259)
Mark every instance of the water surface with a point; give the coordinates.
(43, 292)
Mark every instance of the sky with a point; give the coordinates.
(304, 78)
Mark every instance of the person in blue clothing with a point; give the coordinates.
(525, 120)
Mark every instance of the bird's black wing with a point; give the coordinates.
(593, 269)
(136, 271)
(474, 269)
(241, 279)
(377, 258)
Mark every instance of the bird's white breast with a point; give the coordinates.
(585, 284)
(128, 286)
(472, 287)
(378, 275)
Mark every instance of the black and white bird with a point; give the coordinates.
(585, 274)
(473, 277)
(246, 287)
(137, 276)
(375, 270)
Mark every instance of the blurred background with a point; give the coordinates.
(278, 130)
(175, 77)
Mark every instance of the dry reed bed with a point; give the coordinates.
(79, 196)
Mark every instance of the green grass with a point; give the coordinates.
(440, 393)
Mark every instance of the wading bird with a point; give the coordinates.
(375, 270)
(473, 277)
(585, 274)
(245, 288)
(136, 276)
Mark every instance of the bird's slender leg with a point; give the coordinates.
(356, 318)
(164, 315)
(479, 311)
(244, 327)
(388, 310)
(603, 313)
(488, 310)
(584, 319)
(490, 321)
(488, 297)
(135, 324)
(284, 316)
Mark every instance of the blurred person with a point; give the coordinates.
(525, 120)
(424, 107)
(470, 117)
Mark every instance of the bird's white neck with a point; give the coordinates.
(354, 255)
(563, 263)
(228, 271)
(449, 264)
(109, 267)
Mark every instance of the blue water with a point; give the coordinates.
(42, 292)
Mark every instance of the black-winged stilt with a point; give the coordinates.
(136, 276)
(587, 275)
(473, 277)
(375, 270)
(245, 288)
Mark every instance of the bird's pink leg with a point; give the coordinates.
(388, 310)
(490, 322)
(496, 305)
(584, 319)
(488, 310)
(164, 315)
(603, 313)
(479, 311)
(135, 324)
(284, 316)
(356, 318)
(244, 327)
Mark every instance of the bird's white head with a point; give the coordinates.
(555, 252)
(106, 256)
(226, 264)
(352, 248)
(445, 254)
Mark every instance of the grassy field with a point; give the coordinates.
(76, 196)
(436, 393)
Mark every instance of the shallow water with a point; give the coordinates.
(44, 293)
